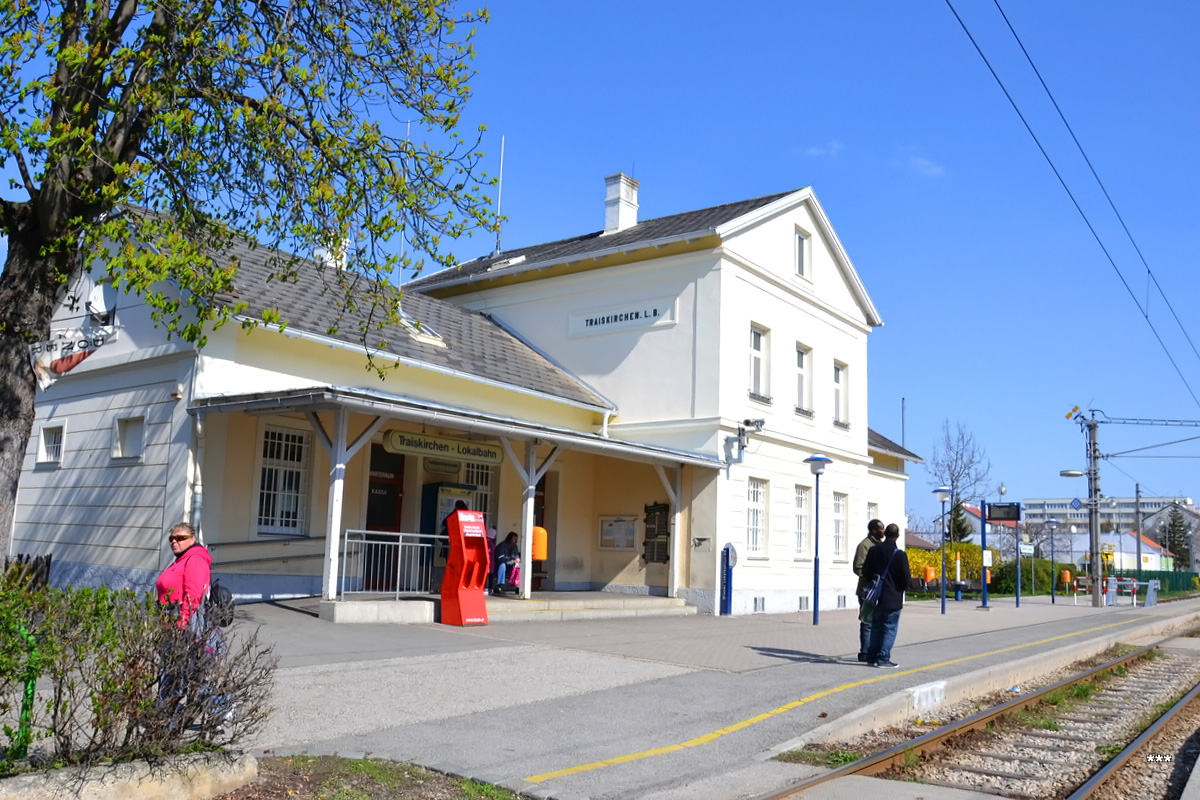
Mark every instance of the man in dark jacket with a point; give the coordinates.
(891, 562)
(874, 536)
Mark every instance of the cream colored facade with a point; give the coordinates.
(201, 419)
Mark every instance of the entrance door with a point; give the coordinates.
(385, 490)
(385, 495)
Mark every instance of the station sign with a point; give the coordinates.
(442, 448)
(1025, 548)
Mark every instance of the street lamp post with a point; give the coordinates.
(1052, 526)
(1116, 531)
(1093, 504)
(984, 569)
(816, 462)
(944, 493)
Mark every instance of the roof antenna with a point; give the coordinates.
(499, 191)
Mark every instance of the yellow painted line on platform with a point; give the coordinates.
(792, 706)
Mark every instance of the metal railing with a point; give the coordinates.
(378, 562)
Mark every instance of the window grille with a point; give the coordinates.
(283, 481)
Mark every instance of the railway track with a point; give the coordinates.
(1064, 740)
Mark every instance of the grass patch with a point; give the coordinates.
(336, 778)
(1035, 719)
(821, 758)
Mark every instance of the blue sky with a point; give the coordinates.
(1001, 311)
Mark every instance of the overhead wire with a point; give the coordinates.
(1103, 188)
(1062, 181)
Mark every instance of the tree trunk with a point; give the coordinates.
(28, 288)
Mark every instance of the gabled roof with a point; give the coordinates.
(691, 224)
(914, 542)
(718, 221)
(882, 444)
(471, 344)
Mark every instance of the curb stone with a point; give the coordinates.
(197, 776)
(899, 706)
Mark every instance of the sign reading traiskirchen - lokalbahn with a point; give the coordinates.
(457, 449)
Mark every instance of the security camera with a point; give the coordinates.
(757, 423)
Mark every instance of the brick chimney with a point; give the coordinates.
(620, 202)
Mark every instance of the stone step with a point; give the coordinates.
(515, 610)
(543, 606)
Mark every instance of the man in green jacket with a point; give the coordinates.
(874, 537)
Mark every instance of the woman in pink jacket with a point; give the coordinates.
(184, 584)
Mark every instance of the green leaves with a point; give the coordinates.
(298, 128)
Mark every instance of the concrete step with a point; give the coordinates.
(541, 607)
(502, 609)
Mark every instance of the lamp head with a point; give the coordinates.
(757, 424)
(816, 462)
(944, 493)
(1071, 473)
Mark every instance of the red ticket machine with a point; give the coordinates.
(463, 599)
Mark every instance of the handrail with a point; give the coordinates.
(395, 562)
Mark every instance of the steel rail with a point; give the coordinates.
(934, 740)
(1093, 784)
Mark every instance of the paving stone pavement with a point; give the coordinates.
(665, 708)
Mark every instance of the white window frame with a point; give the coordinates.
(759, 384)
(840, 504)
(872, 511)
(756, 517)
(803, 384)
(841, 392)
(802, 250)
(303, 473)
(484, 478)
(802, 502)
(44, 455)
(122, 445)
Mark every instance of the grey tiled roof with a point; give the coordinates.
(702, 222)
(474, 345)
(877, 441)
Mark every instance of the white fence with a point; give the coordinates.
(378, 562)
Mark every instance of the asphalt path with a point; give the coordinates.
(664, 708)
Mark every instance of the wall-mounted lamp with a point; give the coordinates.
(699, 540)
(742, 440)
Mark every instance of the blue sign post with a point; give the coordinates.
(728, 560)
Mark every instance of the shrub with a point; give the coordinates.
(971, 556)
(120, 679)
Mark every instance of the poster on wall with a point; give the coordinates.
(67, 347)
(617, 533)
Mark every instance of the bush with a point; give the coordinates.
(119, 679)
(970, 556)
(1035, 578)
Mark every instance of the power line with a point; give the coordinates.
(1103, 188)
(1074, 201)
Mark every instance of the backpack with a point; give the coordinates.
(872, 592)
(219, 605)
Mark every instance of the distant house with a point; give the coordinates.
(1000, 534)
(914, 542)
(1118, 550)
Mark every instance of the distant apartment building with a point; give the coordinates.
(1116, 513)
